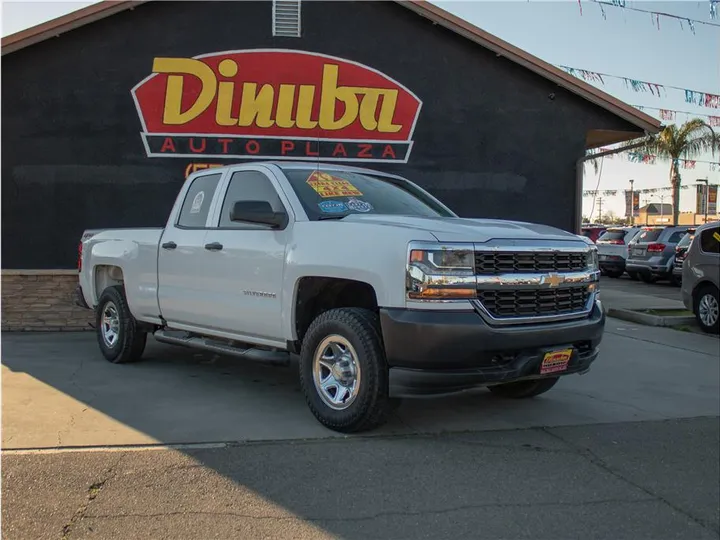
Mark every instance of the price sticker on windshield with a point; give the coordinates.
(327, 185)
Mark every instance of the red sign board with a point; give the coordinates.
(272, 103)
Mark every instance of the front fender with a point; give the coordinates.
(376, 255)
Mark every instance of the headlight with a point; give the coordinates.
(593, 263)
(441, 273)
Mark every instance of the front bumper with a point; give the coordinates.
(443, 352)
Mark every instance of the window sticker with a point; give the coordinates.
(358, 205)
(716, 236)
(332, 207)
(197, 202)
(327, 185)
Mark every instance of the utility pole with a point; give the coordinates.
(600, 209)
(632, 203)
(662, 208)
(706, 194)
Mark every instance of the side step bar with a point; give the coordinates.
(280, 358)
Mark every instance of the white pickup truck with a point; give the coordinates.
(378, 287)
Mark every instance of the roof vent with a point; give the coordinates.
(286, 18)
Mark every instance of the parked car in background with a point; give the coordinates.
(613, 249)
(680, 253)
(653, 252)
(593, 232)
(701, 277)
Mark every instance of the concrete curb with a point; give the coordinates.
(647, 319)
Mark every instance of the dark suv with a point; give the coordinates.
(680, 253)
(652, 253)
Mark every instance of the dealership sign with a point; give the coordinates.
(274, 104)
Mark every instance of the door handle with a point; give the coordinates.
(169, 245)
(214, 246)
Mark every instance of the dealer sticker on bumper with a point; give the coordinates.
(555, 361)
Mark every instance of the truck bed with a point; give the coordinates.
(136, 250)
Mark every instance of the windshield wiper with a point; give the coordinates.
(332, 217)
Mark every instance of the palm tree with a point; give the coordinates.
(680, 142)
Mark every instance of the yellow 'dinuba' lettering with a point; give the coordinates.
(256, 107)
(223, 114)
(387, 111)
(172, 114)
(332, 93)
(286, 96)
(304, 108)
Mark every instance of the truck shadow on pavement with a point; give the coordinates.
(311, 482)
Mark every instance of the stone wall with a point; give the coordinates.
(42, 300)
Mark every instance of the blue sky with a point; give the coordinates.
(624, 43)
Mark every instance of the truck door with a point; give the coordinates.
(181, 256)
(244, 262)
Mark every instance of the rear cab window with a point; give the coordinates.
(196, 206)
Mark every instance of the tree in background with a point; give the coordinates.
(681, 142)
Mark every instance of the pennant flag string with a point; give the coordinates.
(696, 97)
(671, 114)
(646, 191)
(655, 15)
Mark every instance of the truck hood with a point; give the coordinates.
(449, 229)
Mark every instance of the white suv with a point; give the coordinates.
(613, 249)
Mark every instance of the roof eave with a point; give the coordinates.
(60, 25)
(103, 9)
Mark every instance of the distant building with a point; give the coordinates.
(662, 214)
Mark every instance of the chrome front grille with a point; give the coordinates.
(531, 285)
(508, 262)
(501, 303)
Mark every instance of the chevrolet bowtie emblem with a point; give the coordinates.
(553, 280)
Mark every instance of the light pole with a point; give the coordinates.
(707, 195)
(632, 203)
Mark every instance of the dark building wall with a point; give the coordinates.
(489, 141)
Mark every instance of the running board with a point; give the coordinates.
(249, 353)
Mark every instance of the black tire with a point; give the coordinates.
(675, 281)
(713, 298)
(634, 276)
(130, 341)
(648, 278)
(524, 389)
(613, 273)
(371, 406)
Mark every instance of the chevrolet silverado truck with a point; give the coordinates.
(377, 288)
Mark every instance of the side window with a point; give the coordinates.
(676, 237)
(710, 240)
(248, 186)
(197, 202)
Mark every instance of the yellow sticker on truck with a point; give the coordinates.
(327, 185)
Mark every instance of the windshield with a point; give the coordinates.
(686, 240)
(331, 193)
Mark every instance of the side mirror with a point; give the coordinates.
(257, 212)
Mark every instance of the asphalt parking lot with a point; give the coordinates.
(191, 445)
(662, 289)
